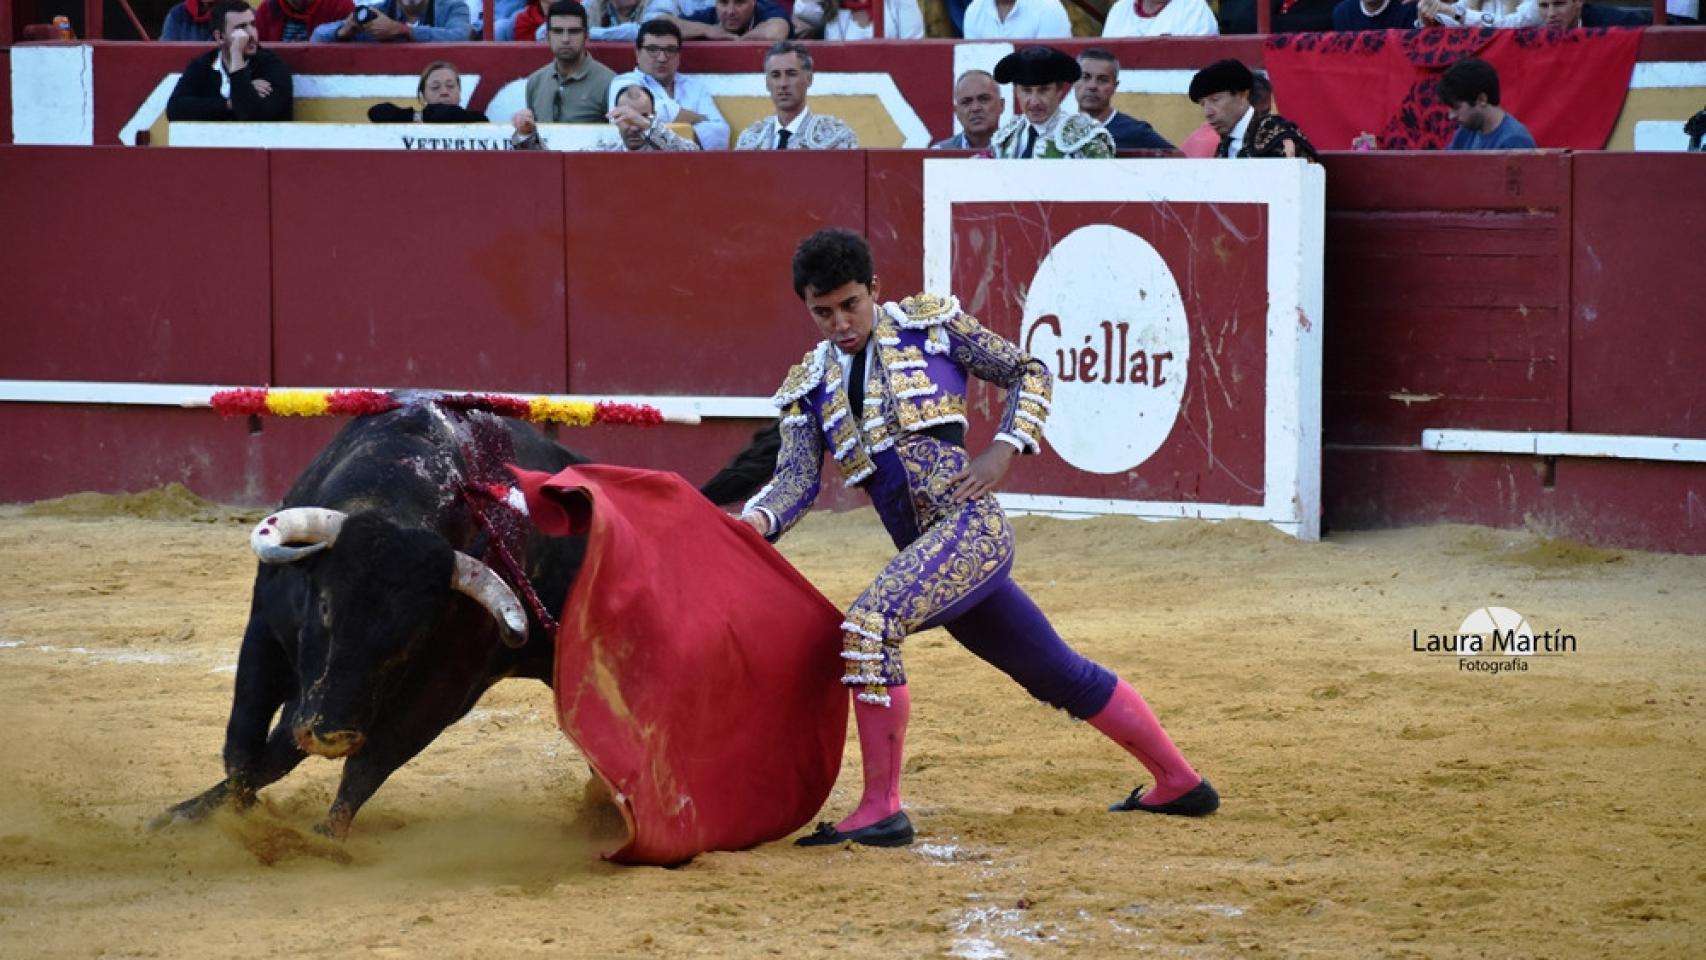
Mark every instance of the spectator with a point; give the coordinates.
(1352, 15)
(1204, 140)
(527, 22)
(1470, 87)
(1099, 77)
(236, 80)
(851, 20)
(612, 20)
(679, 98)
(440, 96)
(680, 9)
(573, 87)
(1041, 77)
(788, 76)
(400, 21)
(1476, 13)
(638, 126)
(188, 21)
(1576, 13)
(504, 13)
(736, 20)
(1290, 16)
(292, 21)
(615, 19)
(1223, 90)
(979, 106)
(1016, 20)
(1160, 18)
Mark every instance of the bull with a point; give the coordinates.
(377, 618)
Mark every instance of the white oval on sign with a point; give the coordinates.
(1105, 316)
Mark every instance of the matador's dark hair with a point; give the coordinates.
(829, 258)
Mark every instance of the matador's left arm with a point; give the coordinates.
(989, 356)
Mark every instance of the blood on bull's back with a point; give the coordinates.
(395, 586)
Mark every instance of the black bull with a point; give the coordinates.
(373, 626)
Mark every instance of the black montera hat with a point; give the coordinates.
(1037, 66)
(1221, 76)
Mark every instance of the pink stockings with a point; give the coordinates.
(1128, 721)
(882, 735)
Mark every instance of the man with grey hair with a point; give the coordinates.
(979, 106)
(1099, 79)
(788, 75)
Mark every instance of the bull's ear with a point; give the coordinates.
(311, 529)
(486, 588)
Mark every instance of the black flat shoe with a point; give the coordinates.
(891, 831)
(1200, 801)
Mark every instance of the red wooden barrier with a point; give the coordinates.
(1447, 292)
(418, 269)
(671, 272)
(1638, 343)
(135, 265)
(1511, 286)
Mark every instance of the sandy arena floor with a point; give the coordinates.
(1378, 801)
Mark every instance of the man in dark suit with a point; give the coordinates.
(1222, 89)
(236, 80)
(1095, 91)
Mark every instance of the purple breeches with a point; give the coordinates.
(953, 571)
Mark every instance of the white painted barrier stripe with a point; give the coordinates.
(1074, 507)
(1618, 446)
(678, 409)
(1665, 74)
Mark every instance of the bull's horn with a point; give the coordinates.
(313, 527)
(488, 590)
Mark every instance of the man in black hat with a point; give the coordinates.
(1041, 77)
(1223, 90)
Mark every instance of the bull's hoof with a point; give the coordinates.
(189, 811)
(336, 825)
(169, 818)
(194, 810)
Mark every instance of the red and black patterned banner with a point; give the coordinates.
(1566, 86)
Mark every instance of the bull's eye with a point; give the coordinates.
(325, 605)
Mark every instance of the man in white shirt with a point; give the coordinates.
(679, 98)
(788, 75)
(902, 20)
(1016, 20)
(1160, 18)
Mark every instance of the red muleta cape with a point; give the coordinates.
(697, 671)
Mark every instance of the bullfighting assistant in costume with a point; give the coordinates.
(696, 670)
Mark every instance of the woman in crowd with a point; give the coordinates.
(440, 100)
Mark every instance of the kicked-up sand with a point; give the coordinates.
(1378, 800)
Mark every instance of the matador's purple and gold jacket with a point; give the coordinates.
(916, 380)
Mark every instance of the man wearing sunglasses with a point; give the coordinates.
(680, 98)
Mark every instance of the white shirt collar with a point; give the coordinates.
(792, 127)
(1050, 126)
(224, 75)
(1236, 141)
